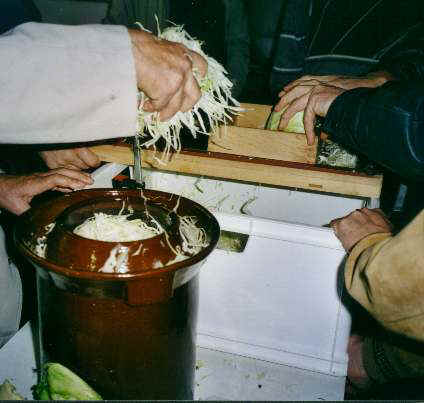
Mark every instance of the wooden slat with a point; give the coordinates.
(254, 116)
(249, 169)
(263, 144)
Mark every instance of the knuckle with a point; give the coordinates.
(193, 93)
(334, 223)
(317, 88)
(186, 65)
(50, 180)
(180, 47)
(175, 81)
(189, 101)
(357, 214)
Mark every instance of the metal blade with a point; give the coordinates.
(137, 161)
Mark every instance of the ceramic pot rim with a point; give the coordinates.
(90, 275)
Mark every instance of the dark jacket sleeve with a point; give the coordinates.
(403, 56)
(386, 124)
(237, 46)
(406, 60)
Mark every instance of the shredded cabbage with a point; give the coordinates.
(117, 262)
(8, 391)
(41, 242)
(216, 101)
(116, 228)
(332, 154)
(194, 238)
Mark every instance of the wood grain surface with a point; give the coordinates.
(251, 169)
(262, 143)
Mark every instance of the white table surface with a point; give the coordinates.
(219, 375)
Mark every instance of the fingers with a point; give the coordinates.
(378, 218)
(189, 91)
(297, 105)
(281, 102)
(309, 116)
(87, 157)
(183, 93)
(64, 178)
(172, 107)
(345, 82)
(289, 96)
(167, 87)
(357, 216)
(192, 94)
(76, 158)
(58, 181)
(19, 206)
(297, 82)
(302, 97)
(334, 223)
(48, 158)
(301, 82)
(16, 192)
(347, 230)
(356, 370)
(309, 121)
(183, 100)
(63, 158)
(165, 73)
(199, 64)
(307, 78)
(359, 224)
(152, 105)
(70, 159)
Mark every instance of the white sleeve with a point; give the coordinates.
(10, 295)
(62, 84)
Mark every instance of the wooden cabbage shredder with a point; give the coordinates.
(245, 151)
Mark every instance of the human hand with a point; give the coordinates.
(314, 100)
(72, 158)
(371, 80)
(355, 368)
(359, 224)
(16, 192)
(164, 72)
(295, 95)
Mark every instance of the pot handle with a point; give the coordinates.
(150, 290)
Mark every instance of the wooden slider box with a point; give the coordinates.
(245, 151)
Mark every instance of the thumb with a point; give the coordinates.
(309, 122)
(40, 185)
(199, 63)
(19, 206)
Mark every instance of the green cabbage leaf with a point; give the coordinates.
(59, 383)
(295, 123)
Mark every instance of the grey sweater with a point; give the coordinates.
(60, 84)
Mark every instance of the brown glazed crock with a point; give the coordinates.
(129, 335)
(91, 254)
